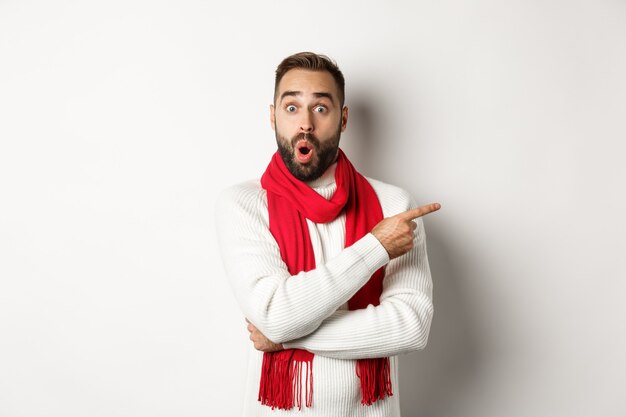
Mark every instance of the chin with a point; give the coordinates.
(306, 176)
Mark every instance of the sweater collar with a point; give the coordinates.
(326, 179)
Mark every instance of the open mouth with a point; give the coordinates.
(304, 151)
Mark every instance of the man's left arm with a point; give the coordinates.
(399, 324)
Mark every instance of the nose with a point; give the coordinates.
(306, 123)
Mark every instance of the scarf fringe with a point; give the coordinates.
(281, 379)
(375, 379)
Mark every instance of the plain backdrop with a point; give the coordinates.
(120, 121)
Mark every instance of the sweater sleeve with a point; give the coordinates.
(284, 308)
(399, 324)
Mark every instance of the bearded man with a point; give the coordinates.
(329, 267)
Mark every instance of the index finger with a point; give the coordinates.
(414, 213)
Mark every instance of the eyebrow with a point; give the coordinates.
(299, 93)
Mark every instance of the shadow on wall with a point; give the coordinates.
(434, 379)
(443, 373)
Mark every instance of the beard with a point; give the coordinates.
(323, 157)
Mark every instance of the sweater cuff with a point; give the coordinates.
(372, 252)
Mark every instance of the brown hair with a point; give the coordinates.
(314, 62)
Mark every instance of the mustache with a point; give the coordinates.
(306, 136)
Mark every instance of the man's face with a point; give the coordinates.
(308, 120)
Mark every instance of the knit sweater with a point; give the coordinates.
(309, 311)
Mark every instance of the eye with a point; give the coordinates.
(291, 108)
(320, 109)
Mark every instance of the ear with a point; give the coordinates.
(344, 118)
(272, 117)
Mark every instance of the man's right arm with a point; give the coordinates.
(283, 307)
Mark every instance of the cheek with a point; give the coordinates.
(331, 123)
(283, 124)
(330, 130)
(282, 131)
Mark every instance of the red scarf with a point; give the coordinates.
(290, 203)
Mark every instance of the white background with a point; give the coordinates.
(121, 120)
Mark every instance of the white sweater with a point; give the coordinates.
(310, 311)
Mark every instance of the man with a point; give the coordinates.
(329, 268)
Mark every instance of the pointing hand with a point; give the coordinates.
(396, 233)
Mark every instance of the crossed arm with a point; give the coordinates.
(281, 311)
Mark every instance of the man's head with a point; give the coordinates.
(308, 114)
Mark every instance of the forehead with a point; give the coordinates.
(308, 82)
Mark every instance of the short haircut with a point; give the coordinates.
(313, 62)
